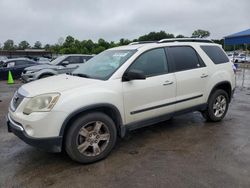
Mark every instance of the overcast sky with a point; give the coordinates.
(48, 20)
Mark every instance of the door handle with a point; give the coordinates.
(168, 83)
(204, 75)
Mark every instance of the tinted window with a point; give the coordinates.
(216, 54)
(185, 58)
(74, 59)
(22, 62)
(152, 62)
(86, 58)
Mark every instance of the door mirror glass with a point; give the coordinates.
(133, 75)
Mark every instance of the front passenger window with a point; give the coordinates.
(151, 63)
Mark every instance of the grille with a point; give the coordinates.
(16, 101)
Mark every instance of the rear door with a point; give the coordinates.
(191, 76)
(154, 96)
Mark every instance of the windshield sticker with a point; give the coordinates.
(120, 54)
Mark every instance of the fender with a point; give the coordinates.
(221, 83)
(120, 127)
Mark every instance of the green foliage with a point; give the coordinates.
(38, 45)
(180, 36)
(72, 46)
(8, 45)
(155, 36)
(23, 45)
(200, 34)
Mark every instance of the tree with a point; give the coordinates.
(200, 34)
(180, 36)
(98, 50)
(124, 41)
(23, 45)
(155, 36)
(38, 45)
(69, 42)
(47, 47)
(103, 43)
(8, 45)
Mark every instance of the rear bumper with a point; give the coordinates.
(51, 144)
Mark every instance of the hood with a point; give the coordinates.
(54, 84)
(42, 66)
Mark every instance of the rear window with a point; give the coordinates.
(216, 54)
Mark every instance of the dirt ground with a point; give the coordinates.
(183, 152)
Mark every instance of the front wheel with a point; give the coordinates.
(217, 106)
(91, 138)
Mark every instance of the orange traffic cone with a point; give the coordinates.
(10, 78)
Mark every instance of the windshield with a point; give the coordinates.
(57, 60)
(104, 64)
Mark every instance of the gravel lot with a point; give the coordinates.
(183, 152)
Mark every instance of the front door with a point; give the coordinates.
(154, 96)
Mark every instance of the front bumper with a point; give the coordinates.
(50, 144)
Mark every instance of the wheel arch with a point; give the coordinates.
(107, 109)
(226, 86)
(45, 73)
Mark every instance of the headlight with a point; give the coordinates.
(41, 103)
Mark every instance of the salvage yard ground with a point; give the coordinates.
(183, 152)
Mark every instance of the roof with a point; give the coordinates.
(20, 58)
(239, 34)
(242, 37)
(164, 42)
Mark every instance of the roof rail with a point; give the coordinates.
(142, 42)
(185, 40)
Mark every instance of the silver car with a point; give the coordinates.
(62, 64)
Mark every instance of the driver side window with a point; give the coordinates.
(151, 63)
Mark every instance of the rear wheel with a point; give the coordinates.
(91, 138)
(217, 106)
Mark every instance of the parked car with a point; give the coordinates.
(122, 89)
(242, 58)
(2, 59)
(16, 66)
(238, 57)
(43, 60)
(62, 64)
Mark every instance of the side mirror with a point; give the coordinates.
(133, 75)
(64, 63)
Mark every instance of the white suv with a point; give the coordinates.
(121, 89)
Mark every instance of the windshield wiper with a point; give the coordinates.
(80, 75)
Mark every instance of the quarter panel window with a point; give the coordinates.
(151, 63)
(185, 58)
(216, 54)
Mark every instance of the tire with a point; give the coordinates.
(45, 76)
(216, 110)
(88, 133)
